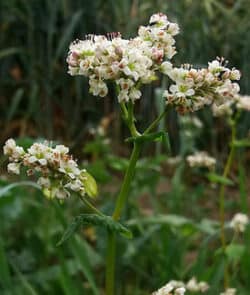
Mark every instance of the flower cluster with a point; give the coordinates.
(239, 222)
(180, 287)
(229, 291)
(243, 102)
(201, 159)
(58, 171)
(240, 102)
(195, 88)
(194, 286)
(129, 63)
(170, 289)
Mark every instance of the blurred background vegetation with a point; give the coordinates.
(38, 99)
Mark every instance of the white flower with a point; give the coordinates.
(235, 75)
(125, 84)
(170, 288)
(158, 19)
(134, 94)
(61, 149)
(194, 286)
(14, 168)
(166, 67)
(201, 159)
(243, 102)
(70, 168)
(38, 153)
(123, 96)
(12, 150)
(44, 182)
(173, 29)
(224, 109)
(98, 87)
(165, 290)
(177, 284)
(74, 185)
(229, 291)
(181, 90)
(203, 286)
(9, 146)
(60, 194)
(239, 222)
(179, 287)
(215, 67)
(180, 291)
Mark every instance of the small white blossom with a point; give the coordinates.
(224, 109)
(239, 222)
(229, 291)
(165, 290)
(195, 286)
(166, 67)
(14, 168)
(179, 287)
(171, 288)
(243, 102)
(201, 159)
(12, 150)
(44, 182)
(180, 291)
(61, 149)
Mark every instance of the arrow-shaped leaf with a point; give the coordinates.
(95, 220)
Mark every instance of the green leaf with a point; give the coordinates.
(29, 289)
(5, 190)
(89, 184)
(216, 178)
(235, 251)
(208, 226)
(155, 136)
(9, 51)
(95, 220)
(241, 143)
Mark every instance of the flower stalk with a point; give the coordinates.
(128, 115)
(226, 172)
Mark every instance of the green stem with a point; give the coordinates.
(90, 206)
(155, 122)
(120, 203)
(222, 201)
(128, 115)
(110, 264)
(122, 197)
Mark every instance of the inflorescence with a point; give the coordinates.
(196, 88)
(128, 63)
(179, 287)
(57, 170)
(201, 159)
(131, 63)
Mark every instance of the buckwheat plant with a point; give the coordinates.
(127, 64)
